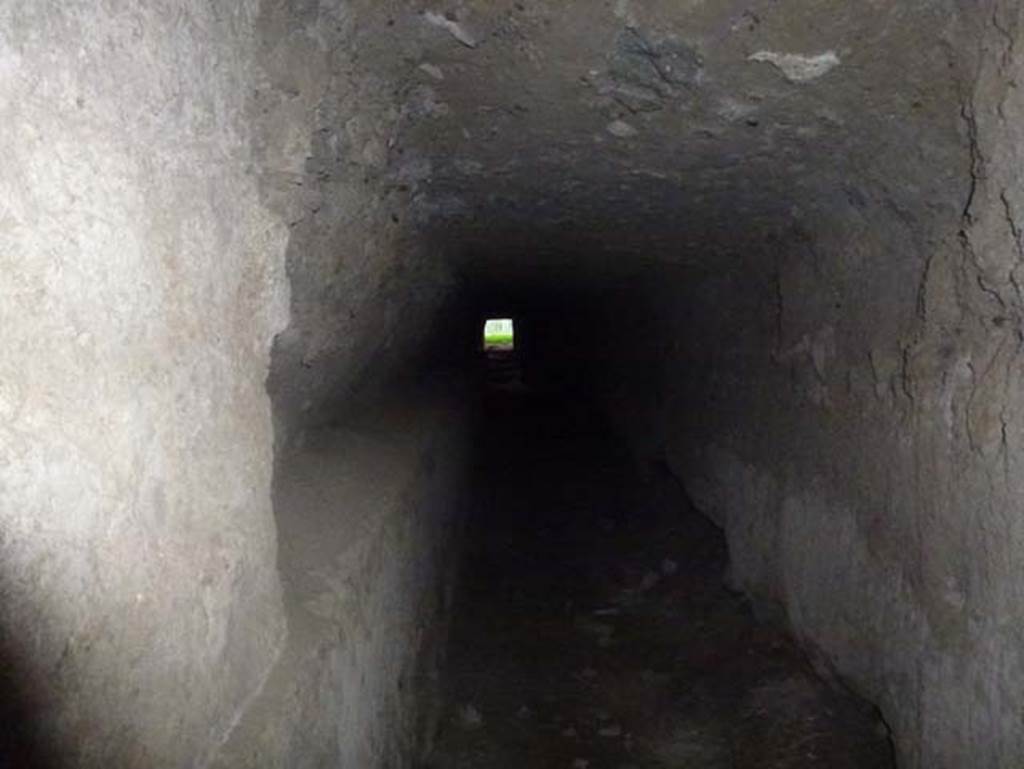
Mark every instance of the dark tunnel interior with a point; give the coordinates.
(594, 623)
(745, 491)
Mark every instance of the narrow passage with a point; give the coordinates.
(592, 629)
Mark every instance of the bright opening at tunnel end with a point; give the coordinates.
(499, 334)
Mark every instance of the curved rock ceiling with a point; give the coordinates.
(679, 126)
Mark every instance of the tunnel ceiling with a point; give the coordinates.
(682, 129)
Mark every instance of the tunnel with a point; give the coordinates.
(742, 490)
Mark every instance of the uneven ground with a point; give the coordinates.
(582, 641)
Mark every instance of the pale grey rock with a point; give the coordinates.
(454, 27)
(432, 70)
(143, 282)
(621, 129)
(797, 67)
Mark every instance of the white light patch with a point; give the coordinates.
(457, 30)
(799, 68)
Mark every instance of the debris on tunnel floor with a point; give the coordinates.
(593, 628)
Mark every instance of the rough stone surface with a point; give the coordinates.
(567, 644)
(368, 518)
(161, 162)
(364, 289)
(850, 418)
(142, 284)
(782, 241)
(801, 226)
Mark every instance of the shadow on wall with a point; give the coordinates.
(22, 743)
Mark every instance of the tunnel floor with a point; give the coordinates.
(592, 628)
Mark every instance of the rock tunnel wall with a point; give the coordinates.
(170, 174)
(369, 516)
(371, 447)
(853, 420)
(366, 292)
(142, 285)
(809, 285)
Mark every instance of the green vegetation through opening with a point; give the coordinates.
(499, 334)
